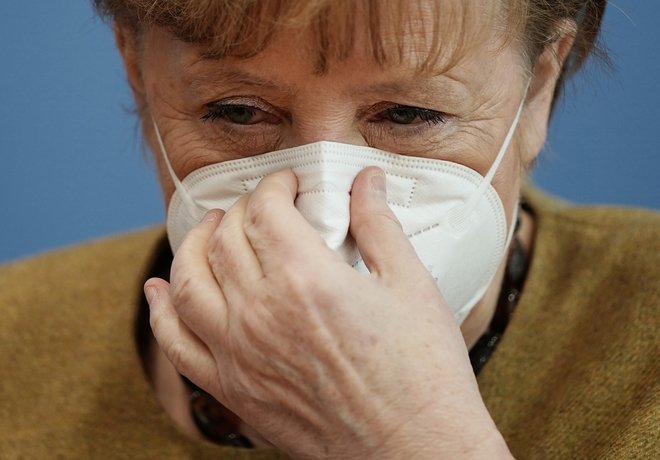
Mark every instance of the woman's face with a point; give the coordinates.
(212, 110)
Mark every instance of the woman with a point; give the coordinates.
(329, 299)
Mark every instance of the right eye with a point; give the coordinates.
(238, 114)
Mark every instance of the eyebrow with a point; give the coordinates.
(225, 76)
(419, 84)
(393, 87)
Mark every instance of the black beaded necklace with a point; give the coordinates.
(512, 285)
(213, 420)
(220, 425)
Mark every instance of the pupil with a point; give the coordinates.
(402, 115)
(241, 115)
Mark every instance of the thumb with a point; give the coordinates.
(383, 245)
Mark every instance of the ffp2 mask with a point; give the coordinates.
(451, 214)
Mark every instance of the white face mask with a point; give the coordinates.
(451, 214)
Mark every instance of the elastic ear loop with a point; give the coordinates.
(458, 218)
(183, 193)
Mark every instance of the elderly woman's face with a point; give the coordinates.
(213, 110)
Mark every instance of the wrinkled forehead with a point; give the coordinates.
(424, 34)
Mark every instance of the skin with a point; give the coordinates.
(317, 359)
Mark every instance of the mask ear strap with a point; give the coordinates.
(183, 193)
(474, 199)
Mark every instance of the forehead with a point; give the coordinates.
(424, 34)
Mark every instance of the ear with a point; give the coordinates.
(545, 75)
(128, 45)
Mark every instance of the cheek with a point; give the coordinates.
(167, 186)
(507, 180)
(185, 149)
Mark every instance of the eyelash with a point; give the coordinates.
(222, 111)
(216, 111)
(430, 117)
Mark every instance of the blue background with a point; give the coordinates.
(73, 168)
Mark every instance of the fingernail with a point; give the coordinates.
(210, 216)
(378, 184)
(150, 292)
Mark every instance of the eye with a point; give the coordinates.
(408, 115)
(239, 114)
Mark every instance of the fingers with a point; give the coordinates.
(198, 298)
(383, 246)
(275, 228)
(181, 347)
(231, 257)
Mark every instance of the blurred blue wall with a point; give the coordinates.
(72, 167)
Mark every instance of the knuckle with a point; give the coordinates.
(190, 242)
(225, 239)
(257, 211)
(378, 220)
(177, 352)
(305, 288)
(256, 326)
(297, 279)
(214, 243)
(225, 254)
(388, 216)
(216, 250)
(182, 292)
(156, 321)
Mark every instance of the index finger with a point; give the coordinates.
(197, 297)
(275, 228)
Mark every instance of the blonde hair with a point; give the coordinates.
(243, 28)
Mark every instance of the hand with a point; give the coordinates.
(323, 361)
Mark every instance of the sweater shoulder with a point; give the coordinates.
(87, 252)
(577, 366)
(608, 218)
(604, 242)
(77, 269)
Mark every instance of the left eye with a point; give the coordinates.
(238, 114)
(408, 115)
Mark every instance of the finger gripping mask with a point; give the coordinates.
(451, 214)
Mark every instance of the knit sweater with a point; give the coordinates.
(576, 375)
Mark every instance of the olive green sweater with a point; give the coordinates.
(576, 374)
